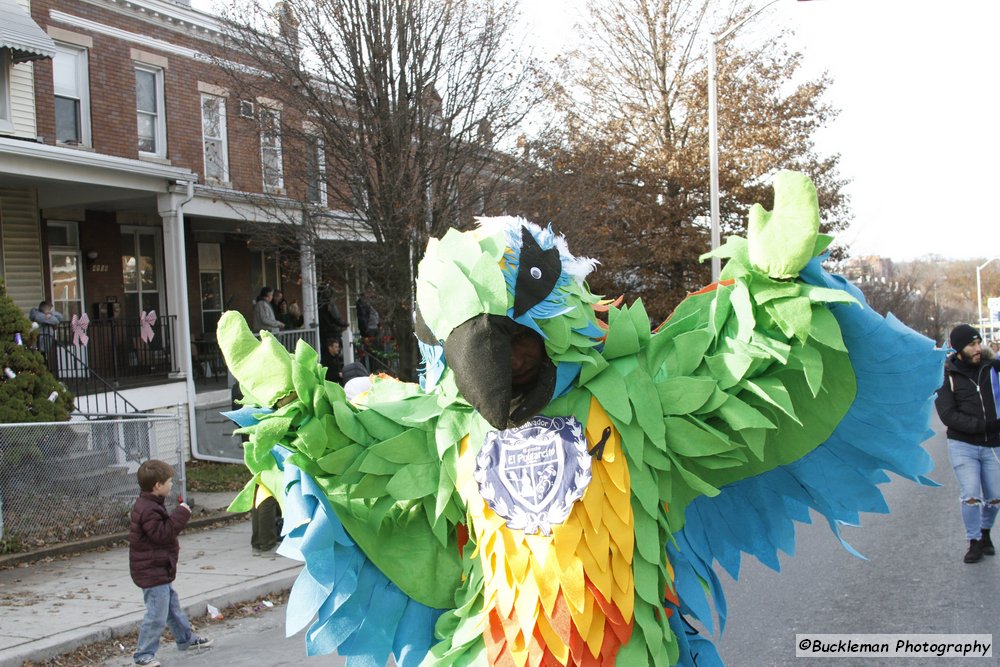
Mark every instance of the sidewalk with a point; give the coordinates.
(49, 608)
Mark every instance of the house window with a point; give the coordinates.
(141, 269)
(213, 131)
(149, 110)
(270, 149)
(66, 270)
(264, 271)
(315, 170)
(210, 270)
(6, 121)
(72, 93)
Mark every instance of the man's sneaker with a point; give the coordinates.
(986, 543)
(200, 642)
(975, 552)
(148, 662)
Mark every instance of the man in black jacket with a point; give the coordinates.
(968, 403)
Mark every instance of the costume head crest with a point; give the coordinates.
(508, 275)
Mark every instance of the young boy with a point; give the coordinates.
(152, 555)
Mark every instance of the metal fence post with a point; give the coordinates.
(180, 449)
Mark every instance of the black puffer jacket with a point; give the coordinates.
(152, 541)
(965, 402)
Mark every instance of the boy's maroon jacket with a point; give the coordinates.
(152, 541)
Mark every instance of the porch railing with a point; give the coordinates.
(209, 363)
(289, 339)
(116, 351)
(93, 394)
(377, 355)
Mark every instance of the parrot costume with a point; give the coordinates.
(565, 505)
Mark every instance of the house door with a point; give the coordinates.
(65, 269)
(67, 282)
(142, 271)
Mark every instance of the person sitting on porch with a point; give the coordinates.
(293, 317)
(263, 313)
(47, 320)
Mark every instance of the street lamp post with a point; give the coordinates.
(713, 136)
(979, 292)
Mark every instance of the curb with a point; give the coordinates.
(197, 606)
(91, 543)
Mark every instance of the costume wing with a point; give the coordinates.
(769, 395)
(367, 496)
(896, 373)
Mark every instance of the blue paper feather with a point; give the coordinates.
(358, 612)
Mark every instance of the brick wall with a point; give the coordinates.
(112, 91)
(103, 277)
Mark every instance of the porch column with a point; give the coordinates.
(347, 338)
(170, 207)
(310, 308)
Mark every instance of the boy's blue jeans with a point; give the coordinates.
(977, 470)
(163, 607)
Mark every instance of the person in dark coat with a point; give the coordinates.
(265, 515)
(334, 360)
(153, 550)
(368, 317)
(331, 324)
(968, 404)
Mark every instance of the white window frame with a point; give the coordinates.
(267, 146)
(159, 116)
(6, 119)
(71, 247)
(211, 251)
(319, 146)
(82, 94)
(223, 139)
(158, 258)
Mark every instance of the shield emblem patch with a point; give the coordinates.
(531, 475)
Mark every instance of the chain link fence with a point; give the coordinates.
(65, 481)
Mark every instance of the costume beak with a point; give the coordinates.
(478, 352)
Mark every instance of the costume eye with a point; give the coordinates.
(537, 274)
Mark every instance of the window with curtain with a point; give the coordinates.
(150, 116)
(213, 130)
(210, 272)
(270, 149)
(315, 170)
(72, 95)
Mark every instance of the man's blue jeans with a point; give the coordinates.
(978, 472)
(162, 608)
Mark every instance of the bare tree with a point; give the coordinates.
(634, 103)
(930, 294)
(395, 113)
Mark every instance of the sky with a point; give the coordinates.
(914, 80)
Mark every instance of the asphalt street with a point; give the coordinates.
(913, 581)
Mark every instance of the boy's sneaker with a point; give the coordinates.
(148, 662)
(986, 543)
(200, 642)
